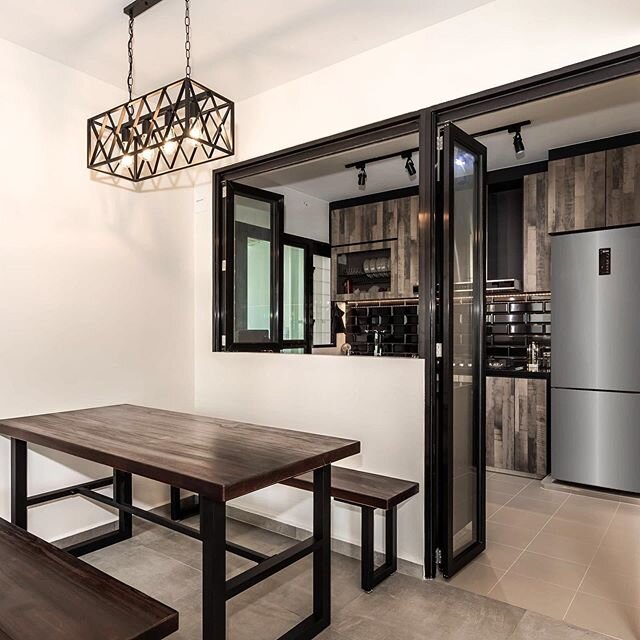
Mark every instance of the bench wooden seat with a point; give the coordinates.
(369, 492)
(48, 593)
(362, 488)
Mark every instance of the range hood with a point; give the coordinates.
(504, 285)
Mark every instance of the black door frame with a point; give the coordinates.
(594, 71)
(426, 121)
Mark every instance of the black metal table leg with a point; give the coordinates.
(371, 577)
(214, 595)
(123, 493)
(322, 556)
(19, 483)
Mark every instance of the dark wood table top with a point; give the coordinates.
(221, 459)
(48, 594)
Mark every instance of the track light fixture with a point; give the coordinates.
(408, 165)
(362, 175)
(514, 128)
(518, 143)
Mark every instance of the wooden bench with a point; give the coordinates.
(369, 492)
(48, 593)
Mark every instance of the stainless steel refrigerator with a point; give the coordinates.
(595, 360)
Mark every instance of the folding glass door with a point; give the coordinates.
(462, 198)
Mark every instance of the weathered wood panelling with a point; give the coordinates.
(408, 265)
(576, 189)
(537, 242)
(531, 426)
(623, 186)
(364, 223)
(500, 422)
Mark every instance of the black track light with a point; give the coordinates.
(518, 144)
(362, 175)
(408, 165)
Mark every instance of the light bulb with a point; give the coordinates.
(147, 154)
(170, 146)
(195, 132)
(127, 161)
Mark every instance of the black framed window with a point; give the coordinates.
(268, 277)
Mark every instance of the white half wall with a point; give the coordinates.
(96, 281)
(378, 401)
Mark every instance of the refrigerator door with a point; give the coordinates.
(595, 293)
(595, 438)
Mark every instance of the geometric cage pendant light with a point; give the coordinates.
(180, 125)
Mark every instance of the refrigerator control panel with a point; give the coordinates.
(605, 262)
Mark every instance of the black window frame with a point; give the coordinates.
(225, 243)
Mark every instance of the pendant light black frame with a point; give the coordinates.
(180, 125)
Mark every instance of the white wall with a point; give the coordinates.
(96, 282)
(379, 401)
(305, 215)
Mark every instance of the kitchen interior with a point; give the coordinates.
(563, 357)
(359, 210)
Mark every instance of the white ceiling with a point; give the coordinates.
(597, 112)
(239, 48)
(328, 179)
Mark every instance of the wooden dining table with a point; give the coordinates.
(218, 459)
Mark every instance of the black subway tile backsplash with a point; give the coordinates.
(396, 320)
(514, 323)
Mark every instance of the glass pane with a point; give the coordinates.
(321, 300)
(465, 470)
(293, 294)
(253, 241)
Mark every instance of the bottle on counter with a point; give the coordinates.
(532, 356)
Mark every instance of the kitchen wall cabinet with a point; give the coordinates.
(536, 238)
(364, 223)
(623, 186)
(576, 192)
(408, 264)
(516, 425)
(393, 225)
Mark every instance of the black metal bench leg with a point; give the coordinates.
(19, 483)
(371, 577)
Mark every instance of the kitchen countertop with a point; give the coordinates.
(517, 373)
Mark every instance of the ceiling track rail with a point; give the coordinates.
(138, 7)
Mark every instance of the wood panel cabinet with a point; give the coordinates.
(576, 192)
(530, 439)
(365, 223)
(500, 424)
(536, 241)
(623, 186)
(408, 264)
(516, 425)
(390, 224)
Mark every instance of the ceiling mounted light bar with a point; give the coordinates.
(177, 126)
(138, 7)
(511, 128)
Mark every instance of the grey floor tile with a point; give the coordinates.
(408, 608)
(535, 625)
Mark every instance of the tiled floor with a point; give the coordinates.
(571, 557)
(166, 565)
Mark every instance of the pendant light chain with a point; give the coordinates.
(187, 42)
(130, 52)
